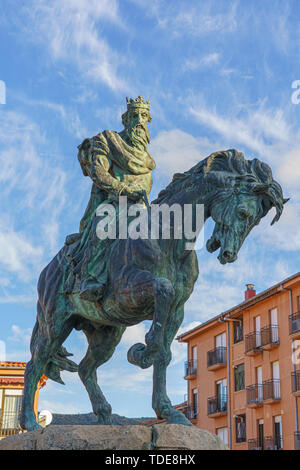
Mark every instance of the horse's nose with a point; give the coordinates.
(227, 254)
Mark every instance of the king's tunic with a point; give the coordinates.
(116, 168)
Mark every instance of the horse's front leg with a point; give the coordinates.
(163, 298)
(163, 294)
(160, 400)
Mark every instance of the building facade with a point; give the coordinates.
(11, 393)
(243, 370)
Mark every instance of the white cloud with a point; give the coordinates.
(250, 131)
(17, 254)
(205, 61)
(69, 116)
(185, 19)
(179, 351)
(134, 334)
(268, 133)
(177, 151)
(20, 335)
(34, 190)
(64, 407)
(136, 381)
(70, 31)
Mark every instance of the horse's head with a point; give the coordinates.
(241, 198)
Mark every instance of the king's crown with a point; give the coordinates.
(137, 103)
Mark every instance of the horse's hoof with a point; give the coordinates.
(137, 355)
(33, 427)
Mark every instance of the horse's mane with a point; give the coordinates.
(225, 169)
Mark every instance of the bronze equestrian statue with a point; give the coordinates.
(103, 286)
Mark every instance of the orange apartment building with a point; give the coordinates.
(243, 370)
(11, 392)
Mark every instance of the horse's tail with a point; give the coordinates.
(58, 361)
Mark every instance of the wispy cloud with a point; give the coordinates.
(69, 116)
(190, 18)
(69, 30)
(205, 61)
(176, 150)
(34, 188)
(21, 335)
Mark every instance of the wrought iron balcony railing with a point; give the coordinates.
(191, 412)
(273, 443)
(268, 443)
(266, 337)
(254, 394)
(294, 323)
(217, 404)
(271, 389)
(255, 444)
(295, 381)
(269, 335)
(190, 368)
(216, 356)
(253, 341)
(297, 440)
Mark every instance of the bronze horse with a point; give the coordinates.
(148, 280)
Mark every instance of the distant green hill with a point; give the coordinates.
(90, 418)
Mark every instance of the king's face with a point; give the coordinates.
(137, 117)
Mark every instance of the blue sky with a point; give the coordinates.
(219, 75)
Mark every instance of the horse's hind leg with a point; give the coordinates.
(33, 373)
(162, 293)
(42, 349)
(160, 400)
(102, 343)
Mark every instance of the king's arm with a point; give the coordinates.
(93, 155)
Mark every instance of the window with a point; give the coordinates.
(194, 359)
(276, 379)
(240, 428)
(195, 402)
(257, 332)
(238, 329)
(260, 433)
(239, 377)
(221, 390)
(220, 341)
(222, 433)
(9, 415)
(277, 432)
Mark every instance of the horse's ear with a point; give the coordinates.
(286, 200)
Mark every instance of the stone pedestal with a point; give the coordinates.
(158, 437)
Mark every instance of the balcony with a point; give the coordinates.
(269, 337)
(268, 443)
(255, 444)
(217, 406)
(296, 383)
(216, 358)
(264, 339)
(190, 369)
(190, 412)
(294, 323)
(273, 443)
(253, 343)
(271, 391)
(254, 395)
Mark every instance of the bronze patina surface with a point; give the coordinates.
(103, 286)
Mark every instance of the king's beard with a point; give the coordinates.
(139, 136)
